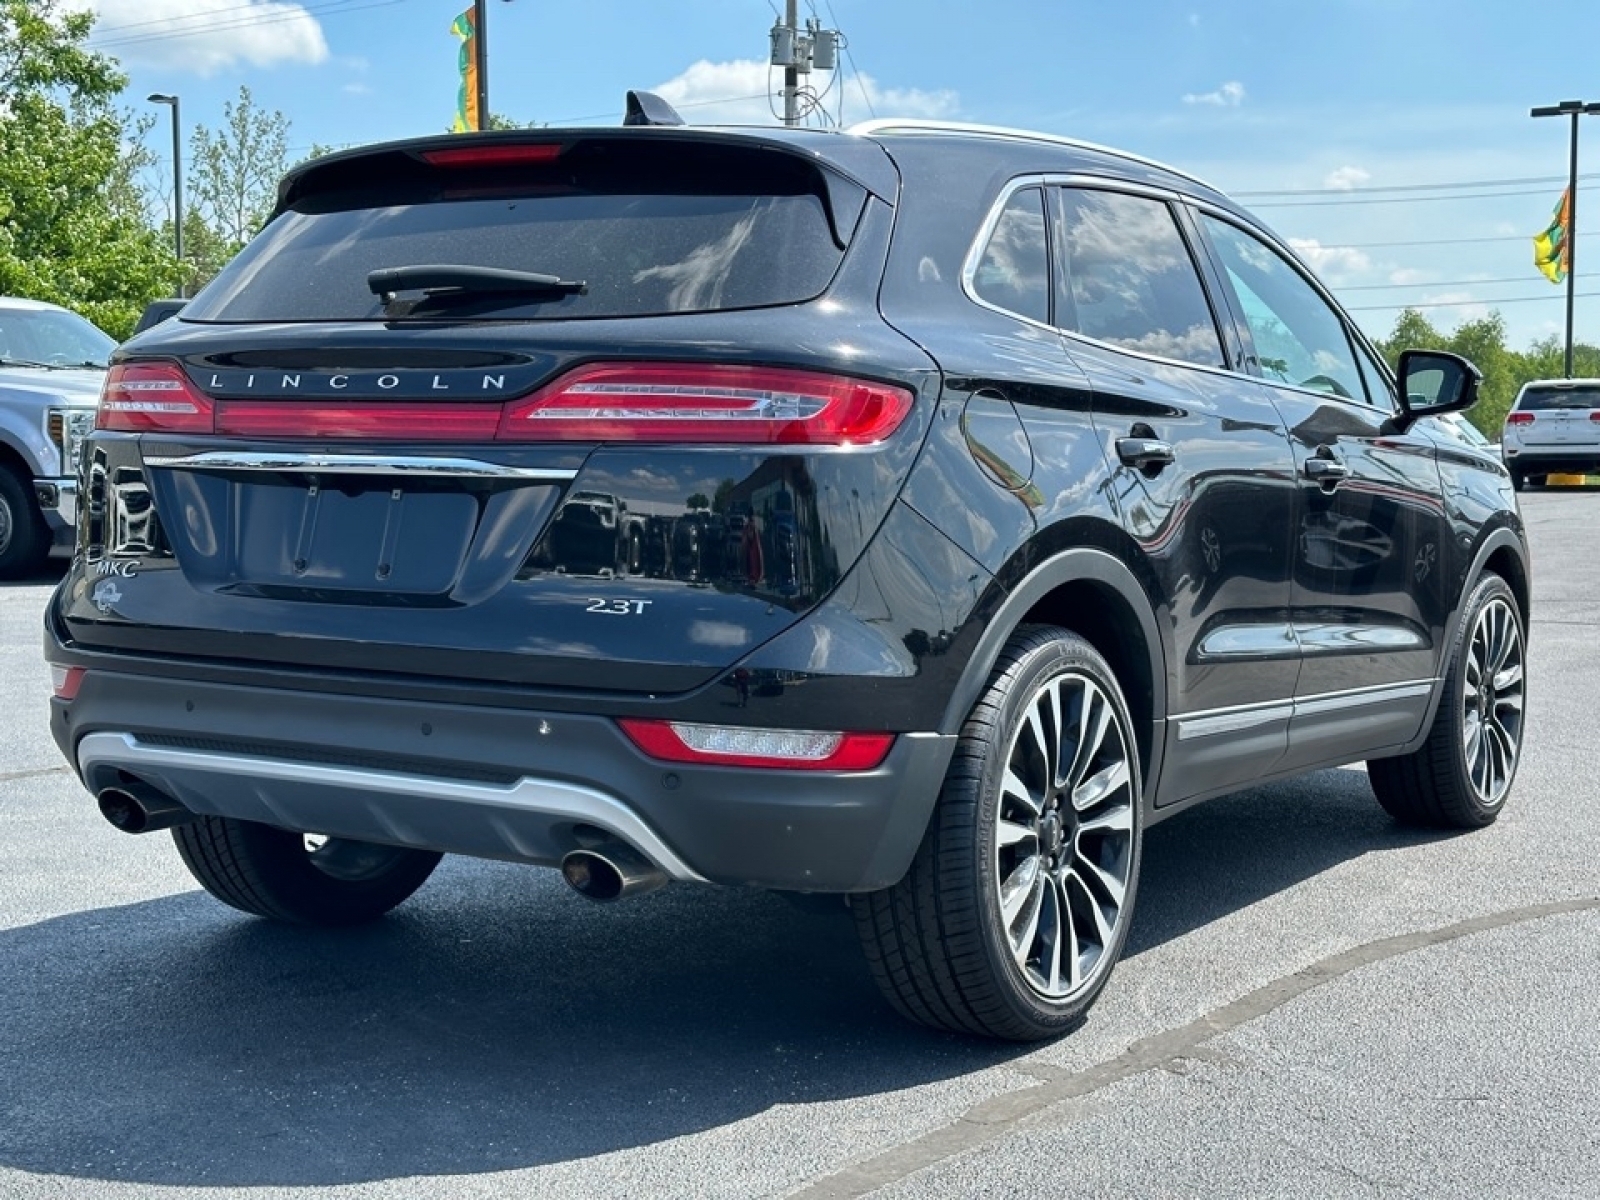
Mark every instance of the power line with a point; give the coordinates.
(267, 16)
(189, 17)
(1447, 283)
(1389, 200)
(1478, 241)
(1460, 185)
(1456, 303)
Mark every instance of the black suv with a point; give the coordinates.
(913, 514)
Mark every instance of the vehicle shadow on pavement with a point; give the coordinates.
(1229, 853)
(495, 1022)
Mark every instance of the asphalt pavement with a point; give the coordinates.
(1313, 1003)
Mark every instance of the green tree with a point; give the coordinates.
(234, 176)
(71, 225)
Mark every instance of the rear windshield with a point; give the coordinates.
(648, 229)
(1581, 396)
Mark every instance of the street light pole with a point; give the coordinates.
(1573, 109)
(177, 181)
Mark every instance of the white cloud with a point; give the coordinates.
(1229, 95)
(1346, 179)
(1405, 276)
(356, 89)
(174, 35)
(1329, 259)
(746, 91)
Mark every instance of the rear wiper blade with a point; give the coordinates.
(441, 280)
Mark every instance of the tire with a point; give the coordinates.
(1538, 480)
(24, 537)
(1461, 776)
(971, 940)
(1519, 481)
(274, 873)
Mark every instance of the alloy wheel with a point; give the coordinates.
(1064, 841)
(1492, 704)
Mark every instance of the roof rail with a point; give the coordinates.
(920, 125)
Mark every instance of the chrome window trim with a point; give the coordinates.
(428, 467)
(980, 243)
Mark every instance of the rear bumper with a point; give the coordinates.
(511, 784)
(1553, 460)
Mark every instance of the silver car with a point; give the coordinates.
(1553, 428)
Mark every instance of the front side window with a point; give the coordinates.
(1014, 272)
(1299, 338)
(1129, 277)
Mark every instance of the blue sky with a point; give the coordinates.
(1303, 109)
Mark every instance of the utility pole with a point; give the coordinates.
(800, 50)
(1573, 109)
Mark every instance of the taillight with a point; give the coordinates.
(1519, 418)
(375, 420)
(493, 156)
(152, 398)
(676, 402)
(1594, 414)
(772, 749)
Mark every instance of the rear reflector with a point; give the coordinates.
(66, 681)
(771, 749)
(299, 418)
(678, 402)
(493, 156)
(152, 397)
(1519, 418)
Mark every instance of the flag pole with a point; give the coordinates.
(1573, 109)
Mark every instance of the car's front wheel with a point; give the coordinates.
(1019, 900)
(24, 538)
(1460, 777)
(286, 876)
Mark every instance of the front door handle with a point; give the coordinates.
(1329, 472)
(1145, 454)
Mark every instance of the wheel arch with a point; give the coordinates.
(1096, 595)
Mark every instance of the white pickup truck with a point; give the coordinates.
(52, 363)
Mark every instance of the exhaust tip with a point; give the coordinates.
(139, 808)
(611, 871)
(122, 809)
(591, 876)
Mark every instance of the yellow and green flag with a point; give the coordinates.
(467, 98)
(1551, 250)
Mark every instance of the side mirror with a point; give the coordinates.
(1434, 381)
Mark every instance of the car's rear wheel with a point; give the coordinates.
(286, 876)
(1460, 777)
(24, 539)
(1019, 900)
(1519, 481)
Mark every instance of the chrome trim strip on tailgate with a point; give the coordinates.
(358, 464)
(546, 797)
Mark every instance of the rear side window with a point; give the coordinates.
(1129, 278)
(1014, 272)
(1536, 399)
(674, 228)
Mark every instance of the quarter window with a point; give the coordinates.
(1014, 272)
(1129, 277)
(1299, 338)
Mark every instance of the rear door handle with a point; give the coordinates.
(1144, 453)
(1326, 471)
